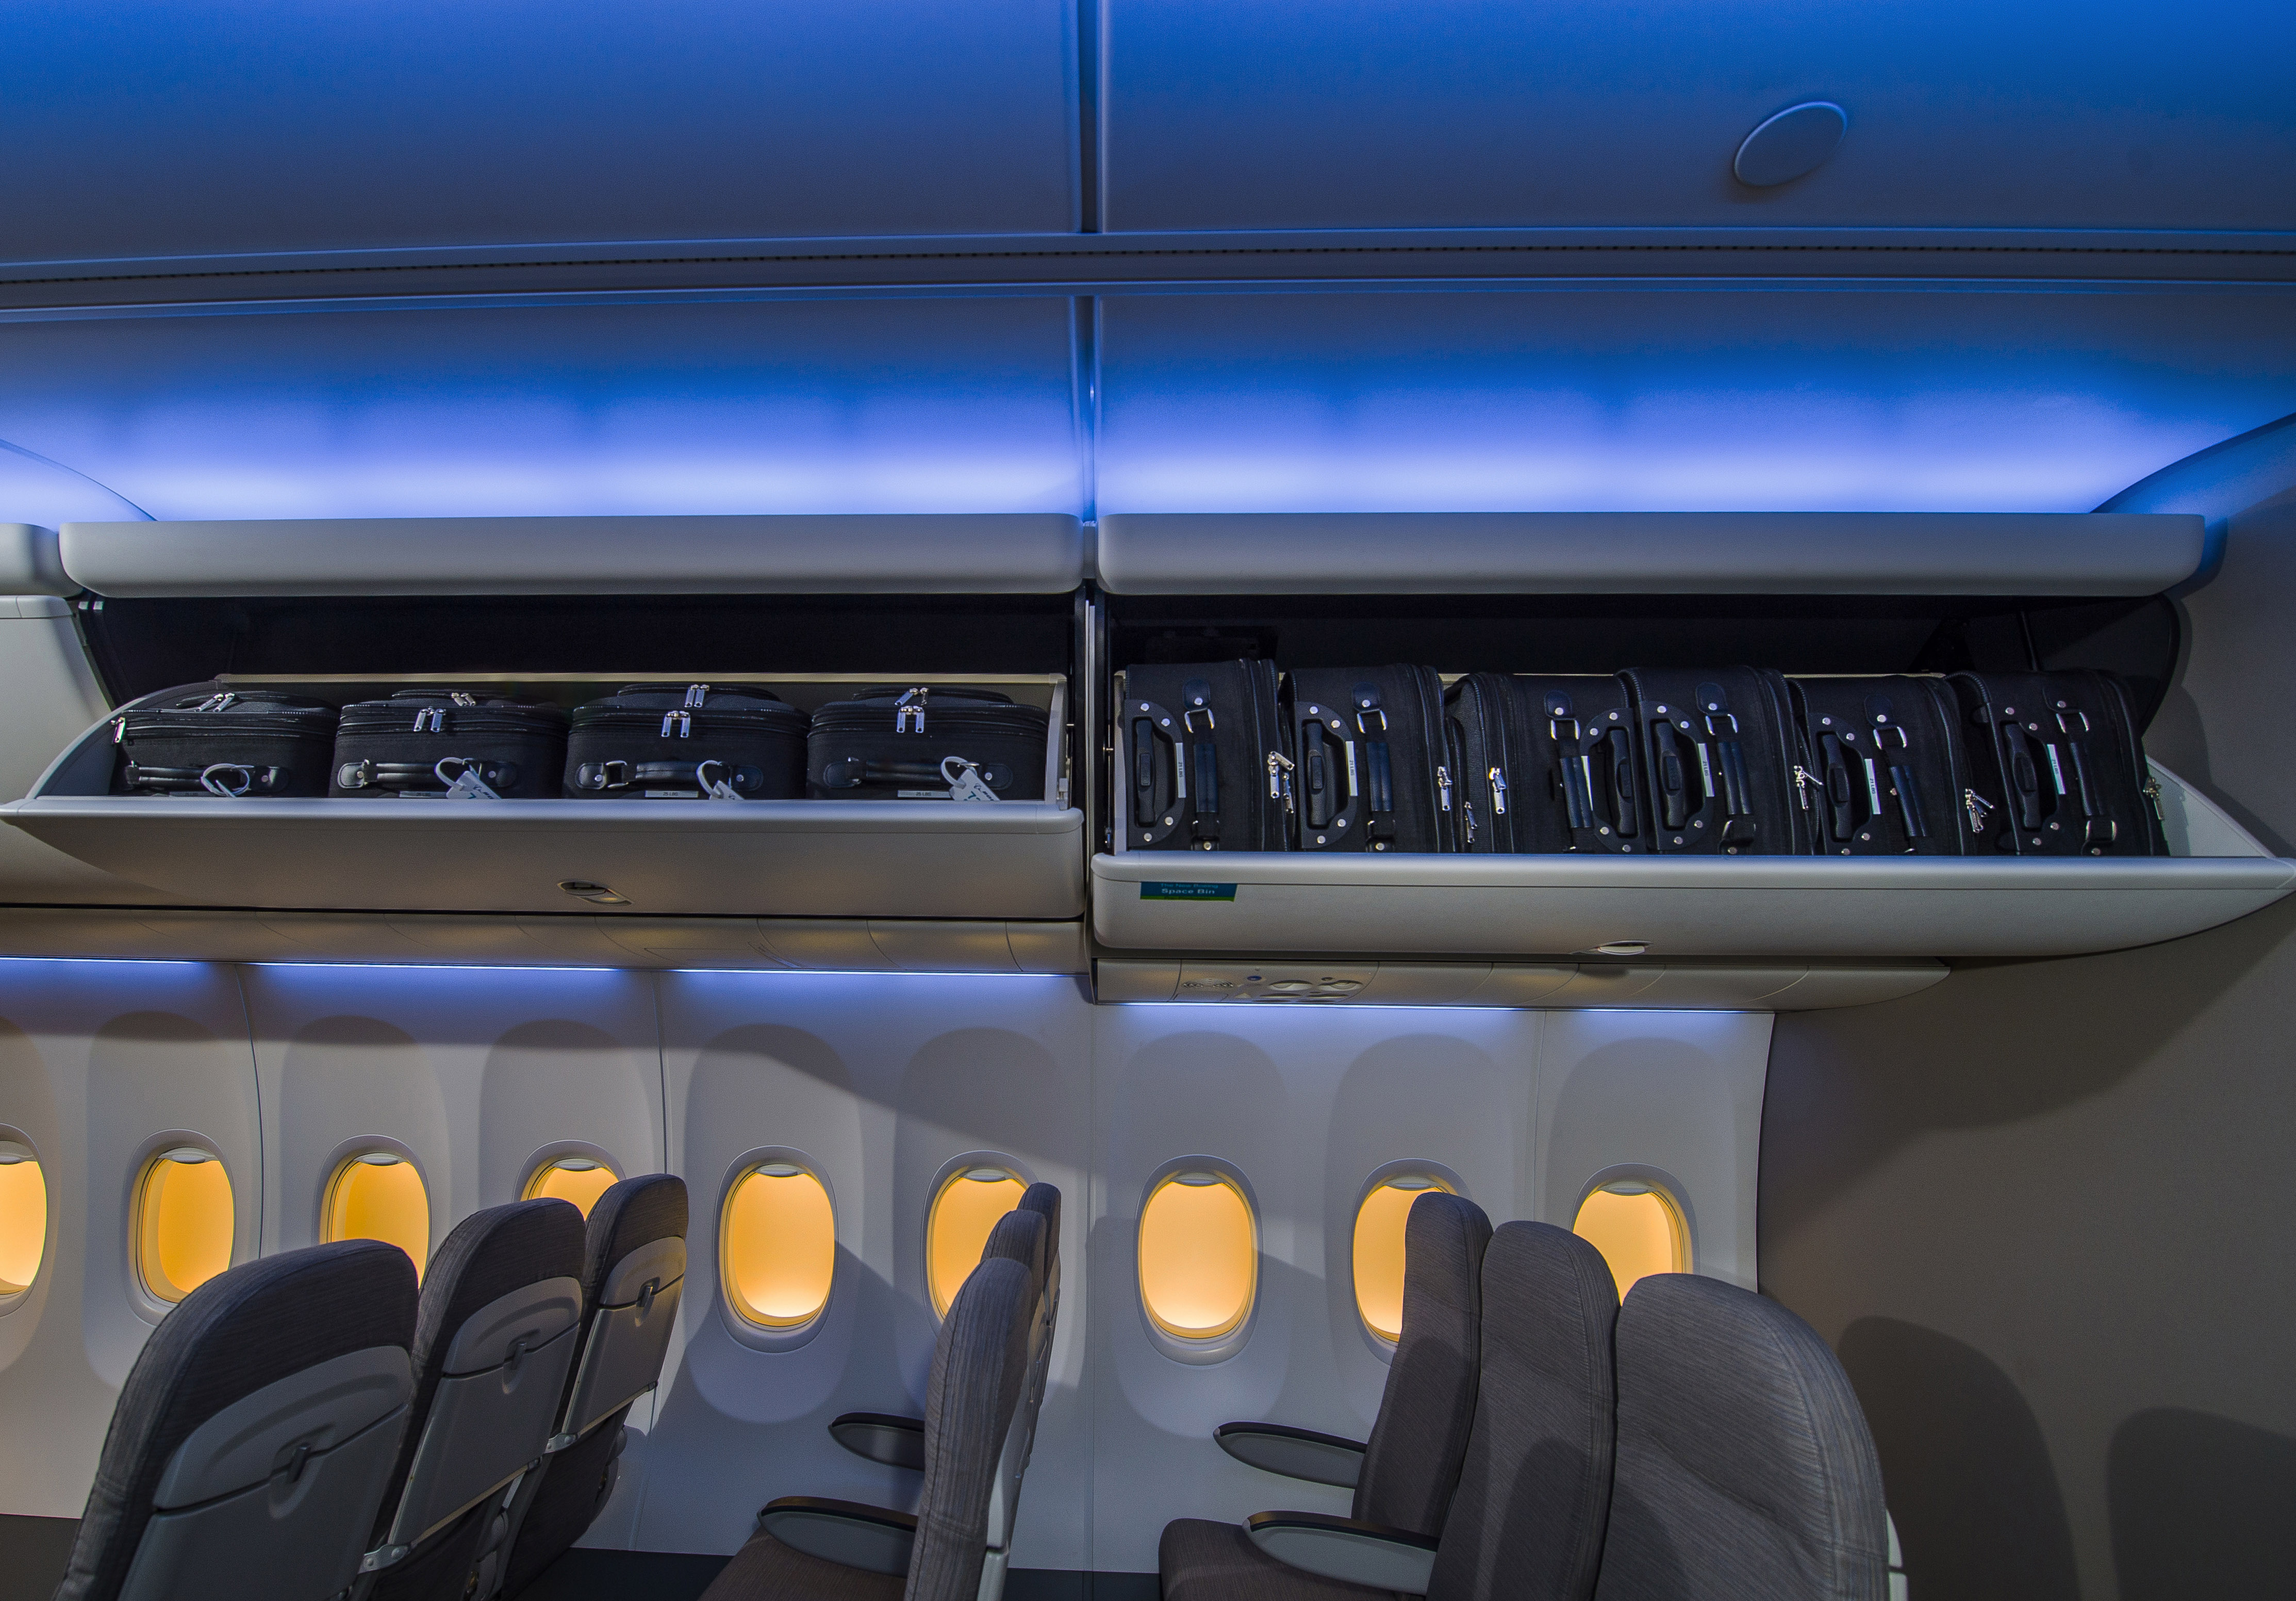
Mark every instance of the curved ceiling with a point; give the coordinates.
(269, 258)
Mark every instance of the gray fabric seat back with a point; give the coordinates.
(623, 1247)
(1535, 1484)
(1045, 1201)
(979, 1364)
(1745, 1469)
(1411, 1465)
(1018, 1236)
(256, 1434)
(494, 1339)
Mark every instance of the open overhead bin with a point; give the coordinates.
(904, 859)
(1661, 907)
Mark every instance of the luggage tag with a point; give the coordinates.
(465, 785)
(718, 788)
(967, 785)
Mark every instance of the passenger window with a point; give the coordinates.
(965, 1209)
(778, 1246)
(1198, 1255)
(580, 1180)
(23, 1218)
(1638, 1230)
(184, 1222)
(1379, 1249)
(379, 1195)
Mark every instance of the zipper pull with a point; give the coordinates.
(2152, 795)
(1498, 793)
(1279, 778)
(911, 704)
(1467, 808)
(118, 730)
(1977, 806)
(1803, 779)
(1443, 782)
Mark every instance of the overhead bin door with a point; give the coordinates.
(177, 127)
(1496, 114)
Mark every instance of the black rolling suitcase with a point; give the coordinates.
(1369, 768)
(927, 743)
(430, 744)
(651, 741)
(1719, 746)
(235, 742)
(1204, 757)
(2057, 766)
(1549, 765)
(1883, 765)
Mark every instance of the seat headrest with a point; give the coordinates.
(634, 1213)
(1020, 1236)
(242, 1330)
(1044, 1200)
(487, 1256)
(1729, 1396)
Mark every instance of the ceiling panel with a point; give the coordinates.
(822, 406)
(1495, 114)
(1713, 399)
(139, 128)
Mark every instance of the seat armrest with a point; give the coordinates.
(881, 1437)
(857, 1536)
(1295, 1453)
(1346, 1548)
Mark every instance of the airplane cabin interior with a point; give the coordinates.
(1146, 800)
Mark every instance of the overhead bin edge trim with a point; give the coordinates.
(852, 553)
(1652, 552)
(31, 563)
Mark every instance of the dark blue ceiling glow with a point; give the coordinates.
(1604, 398)
(164, 127)
(1230, 114)
(854, 405)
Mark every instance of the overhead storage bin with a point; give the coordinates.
(1664, 907)
(937, 859)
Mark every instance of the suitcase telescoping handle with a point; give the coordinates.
(229, 780)
(851, 773)
(1189, 767)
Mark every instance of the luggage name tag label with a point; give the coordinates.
(966, 785)
(465, 785)
(719, 787)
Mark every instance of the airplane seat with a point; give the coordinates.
(1526, 1521)
(898, 1441)
(814, 1548)
(1018, 1236)
(1744, 1464)
(1403, 1477)
(633, 1271)
(255, 1436)
(495, 1337)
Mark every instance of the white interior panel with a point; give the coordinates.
(877, 1080)
(1676, 1097)
(1303, 1104)
(97, 1059)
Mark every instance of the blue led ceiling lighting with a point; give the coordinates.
(876, 405)
(1697, 398)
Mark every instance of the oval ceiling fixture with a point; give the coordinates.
(1797, 141)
